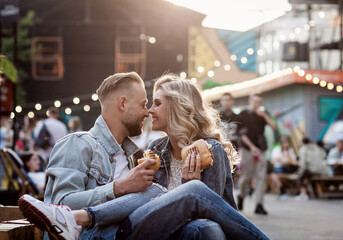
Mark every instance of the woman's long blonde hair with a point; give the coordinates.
(189, 117)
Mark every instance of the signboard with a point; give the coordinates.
(9, 11)
(6, 95)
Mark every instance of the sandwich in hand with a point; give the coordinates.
(203, 148)
(148, 154)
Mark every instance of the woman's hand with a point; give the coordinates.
(191, 168)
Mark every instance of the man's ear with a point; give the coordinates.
(122, 103)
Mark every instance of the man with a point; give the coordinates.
(230, 120)
(311, 163)
(254, 163)
(55, 127)
(91, 168)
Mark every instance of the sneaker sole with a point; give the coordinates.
(38, 218)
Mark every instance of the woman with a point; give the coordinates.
(178, 110)
(284, 161)
(32, 165)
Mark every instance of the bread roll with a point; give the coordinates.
(202, 147)
(148, 154)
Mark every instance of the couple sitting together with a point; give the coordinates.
(104, 194)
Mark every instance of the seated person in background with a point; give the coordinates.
(284, 158)
(32, 165)
(284, 161)
(335, 155)
(311, 164)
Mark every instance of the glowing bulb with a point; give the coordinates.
(321, 14)
(12, 115)
(200, 69)
(18, 109)
(95, 97)
(339, 88)
(322, 83)
(38, 106)
(31, 114)
(86, 108)
(296, 69)
(67, 111)
(210, 73)
(227, 67)
(183, 75)
(142, 36)
(194, 80)
(233, 57)
(244, 60)
(312, 23)
(152, 40)
(76, 100)
(217, 63)
(250, 51)
(315, 80)
(57, 103)
(308, 77)
(307, 27)
(301, 73)
(330, 86)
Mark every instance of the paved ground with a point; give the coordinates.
(289, 219)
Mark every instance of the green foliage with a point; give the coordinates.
(24, 52)
(211, 84)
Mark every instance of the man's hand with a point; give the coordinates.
(255, 150)
(137, 179)
(191, 168)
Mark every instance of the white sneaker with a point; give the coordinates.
(302, 197)
(57, 220)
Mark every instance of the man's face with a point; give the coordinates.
(136, 111)
(255, 102)
(226, 102)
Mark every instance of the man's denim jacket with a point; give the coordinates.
(82, 165)
(217, 177)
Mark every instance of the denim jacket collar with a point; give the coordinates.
(110, 144)
(163, 148)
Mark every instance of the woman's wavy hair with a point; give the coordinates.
(189, 117)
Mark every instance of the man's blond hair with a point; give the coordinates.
(117, 81)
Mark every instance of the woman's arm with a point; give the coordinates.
(218, 177)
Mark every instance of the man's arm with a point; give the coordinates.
(268, 119)
(70, 170)
(68, 173)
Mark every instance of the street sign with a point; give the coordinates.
(9, 11)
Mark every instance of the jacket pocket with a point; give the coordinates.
(100, 178)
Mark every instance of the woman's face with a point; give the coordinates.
(34, 163)
(158, 112)
(285, 145)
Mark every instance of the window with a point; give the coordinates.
(130, 55)
(47, 64)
